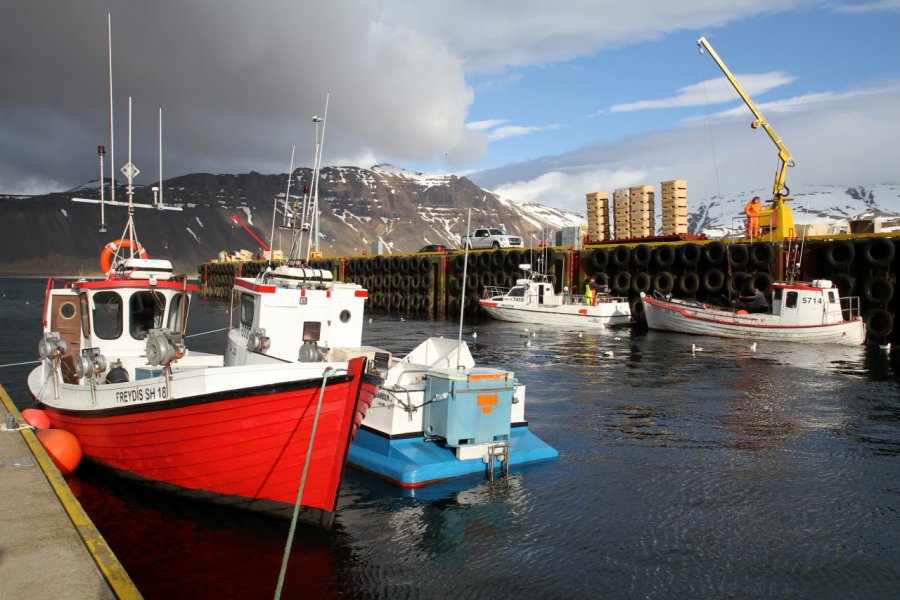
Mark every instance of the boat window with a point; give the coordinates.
(85, 316)
(145, 310)
(791, 300)
(517, 292)
(107, 315)
(345, 316)
(247, 305)
(176, 310)
(832, 297)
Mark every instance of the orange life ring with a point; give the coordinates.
(109, 251)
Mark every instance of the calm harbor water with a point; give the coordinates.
(714, 473)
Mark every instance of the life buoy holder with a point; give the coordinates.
(110, 250)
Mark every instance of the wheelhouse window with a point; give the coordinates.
(107, 315)
(517, 292)
(790, 300)
(178, 311)
(146, 311)
(832, 297)
(248, 304)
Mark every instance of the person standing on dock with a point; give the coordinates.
(753, 210)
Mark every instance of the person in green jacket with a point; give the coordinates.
(589, 292)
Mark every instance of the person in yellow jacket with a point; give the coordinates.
(753, 210)
(589, 292)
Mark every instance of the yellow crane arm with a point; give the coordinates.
(784, 157)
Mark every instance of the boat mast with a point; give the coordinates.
(314, 233)
(160, 203)
(287, 198)
(112, 130)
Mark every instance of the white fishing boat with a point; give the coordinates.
(534, 300)
(436, 417)
(800, 312)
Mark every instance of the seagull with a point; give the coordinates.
(370, 319)
(527, 343)
(474, 334)
(609, 353)
(580, 335)
(525, 330)
(885, 347)
(617, 338)
(534, 334)
(753, 347)
(695, 348)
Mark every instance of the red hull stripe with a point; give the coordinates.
(255, 287)
(132, 283)
(688, 315)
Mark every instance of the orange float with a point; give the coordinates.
(62, 447)
(36, 418)
(109, 251)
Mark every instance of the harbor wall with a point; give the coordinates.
(713, 271)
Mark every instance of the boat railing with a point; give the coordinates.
(598, 299)
(492, 291)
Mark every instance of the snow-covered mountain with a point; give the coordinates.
(831, 206)
(403, 210)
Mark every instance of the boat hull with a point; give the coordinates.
(575, 316)
(412, 462)
(700, 320)
(246, 448)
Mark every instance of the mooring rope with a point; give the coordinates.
(27, 362)
(312, 436)
(207, 332)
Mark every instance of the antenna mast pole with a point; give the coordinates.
(112, 131)
(160, 161)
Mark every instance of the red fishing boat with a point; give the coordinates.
(116, 373)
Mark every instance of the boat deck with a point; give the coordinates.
(49, 547)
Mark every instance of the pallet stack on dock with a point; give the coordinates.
(598, 216)
(674, 207)
(641, 201)
(622, 213)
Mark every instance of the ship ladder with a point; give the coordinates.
(498, 451)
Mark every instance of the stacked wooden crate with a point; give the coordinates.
(641, 201)
(598, 216)
(674, 207)
(621, 213)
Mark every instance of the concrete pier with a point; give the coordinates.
(49, 548)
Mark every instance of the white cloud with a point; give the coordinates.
(711, 91)
(867, 7)
(852, 139)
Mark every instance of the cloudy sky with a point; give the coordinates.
(540, 101)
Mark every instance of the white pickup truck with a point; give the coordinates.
(491, 237)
